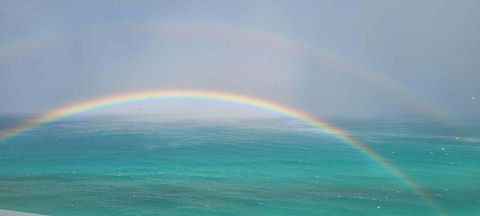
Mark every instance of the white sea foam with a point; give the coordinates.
(15, 213)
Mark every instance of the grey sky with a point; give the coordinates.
(54, 53)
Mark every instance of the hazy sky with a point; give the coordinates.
(340, 58)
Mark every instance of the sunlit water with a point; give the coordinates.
(129, 166)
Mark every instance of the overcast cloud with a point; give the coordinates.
(307, 54)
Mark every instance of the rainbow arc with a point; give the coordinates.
(225, 97)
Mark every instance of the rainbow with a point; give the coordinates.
(219, 96)
(191, 29)
(320, 57)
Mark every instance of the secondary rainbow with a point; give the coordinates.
(219, 96)
(18, 47)
(318, 56)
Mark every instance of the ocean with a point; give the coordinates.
(124, 165)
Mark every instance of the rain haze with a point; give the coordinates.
(240, 107)
(328, 58)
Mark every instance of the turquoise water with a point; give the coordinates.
(132, 166)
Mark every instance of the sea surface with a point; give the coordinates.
(111, 165)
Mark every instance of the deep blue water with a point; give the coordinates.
(141, 166)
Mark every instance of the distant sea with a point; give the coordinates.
(111, 165)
